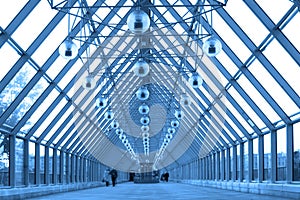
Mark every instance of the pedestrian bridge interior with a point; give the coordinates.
(205, 90)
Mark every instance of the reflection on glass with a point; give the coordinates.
(19, 159)
(296, 152)
(41, 110)
(238, 162)
(281, 154)
(255, 159)
(31, 163)
(42, 164)
(267, 157)
(15, 86)
(27, 102)
(246, 162)
(4, 159)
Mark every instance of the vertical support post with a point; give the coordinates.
(260, 158)
(62, 164)
(228, 160)
(26, 162)
(273, 156)
(289, 153)
(12, 160)
(234, 163)
(37, 164)
(241, 161)
(250, 160)
(213, 165)
(72, 168)
(84, 170)
(54, 166)
(218, 166)
(67, 168)
(223, 165)
(46, 165)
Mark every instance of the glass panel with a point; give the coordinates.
(223, 29)
(50, 118)
(246, 162)
(290, 31)
(40, 111)
(31, 163)
(258, 99)
(58, 124)
(50, 44)
(14, 8)
(245, 106)
(277, 10)
(19, 159)
(281, 154)
(284, 64)
(267, 157)
(50, 165)
(247, 25)
(274, 89)
(4, 159)
(8, 57)
(238, 162)
(15, 86)
(296, 152)
(39, 17)
(27, 102)
(58, 164)
(255, 159)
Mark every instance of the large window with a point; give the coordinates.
(246, 162)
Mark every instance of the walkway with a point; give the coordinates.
(159, 191)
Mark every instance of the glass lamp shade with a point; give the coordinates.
(171, 130)
(142, 93)
(122, 137)
(119, 131)
(101, 102)
(145, 120)
(178, 114)
(109, 115)
(68, 49)
(141, 68)
(212, 46)
(89, 82)
(166, 140)
(146, 134)
(144, 109)
(145, 128)
(185, 100)
(114, 124)
(174, 123)
(138, 22)
(195, 81)
(169, 136)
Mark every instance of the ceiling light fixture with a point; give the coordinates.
(138, 21)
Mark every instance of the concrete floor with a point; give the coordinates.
(158, 191)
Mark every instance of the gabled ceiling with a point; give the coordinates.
(249, 89)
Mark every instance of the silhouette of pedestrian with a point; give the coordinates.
(114, 174)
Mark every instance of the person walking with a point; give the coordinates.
(105, 177)
(114, 174)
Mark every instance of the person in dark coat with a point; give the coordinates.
(166, 176)
(114, 174)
